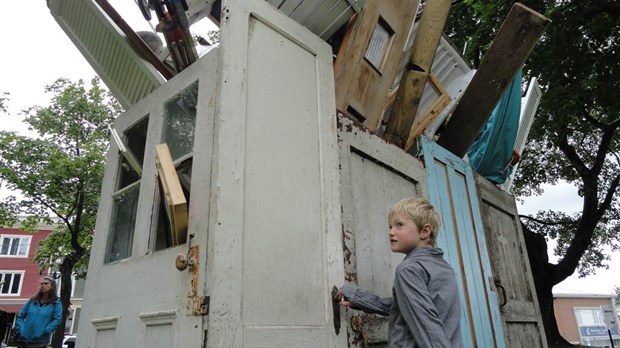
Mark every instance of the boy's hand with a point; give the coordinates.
(343, 302)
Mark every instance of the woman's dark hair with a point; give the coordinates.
(52, 295)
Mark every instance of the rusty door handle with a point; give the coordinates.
(336, 309)
(499, 285)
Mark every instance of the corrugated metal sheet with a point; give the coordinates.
(105, 47)
(449, 68)
(322, 17)
(454, 74)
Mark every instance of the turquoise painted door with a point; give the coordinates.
(451, 188)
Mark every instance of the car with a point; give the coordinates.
(69, 341)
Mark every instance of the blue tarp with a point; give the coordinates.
(491, 153)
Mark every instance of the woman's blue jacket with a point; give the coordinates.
(36, 322)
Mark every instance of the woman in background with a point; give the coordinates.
(39, 317)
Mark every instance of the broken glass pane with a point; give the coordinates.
(180, 122)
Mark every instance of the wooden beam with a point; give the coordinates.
(518, 35)
(425, 42)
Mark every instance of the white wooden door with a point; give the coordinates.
(135, 296)
(275, 250)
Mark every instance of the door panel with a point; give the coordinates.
(363, 74)
(283, 189)
(374, 175)
(276, 219)
(452, 189)
(511, 268)
(148, 297)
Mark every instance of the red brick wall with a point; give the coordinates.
(30, 283)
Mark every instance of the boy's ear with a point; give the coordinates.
(426, 230)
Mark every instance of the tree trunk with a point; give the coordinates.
(66, 285)
(543, 281)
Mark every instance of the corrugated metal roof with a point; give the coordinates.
(322, 17)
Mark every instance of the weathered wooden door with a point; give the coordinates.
(452, 189)
(369, 58)
(374, 175)
(511, 268)
(135, 296)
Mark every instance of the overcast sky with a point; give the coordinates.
(36, 52)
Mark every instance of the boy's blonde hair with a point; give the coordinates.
(421, 212)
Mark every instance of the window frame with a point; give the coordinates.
(121, 187)
(3, 274)
(21, 237)
(386, 46)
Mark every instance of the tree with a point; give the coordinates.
(3, 100)
(575, 136)
(59, 174)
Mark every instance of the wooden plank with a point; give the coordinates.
(425, 44)
(176, 204)
(512, 45)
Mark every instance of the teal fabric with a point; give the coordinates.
(491, 153)
(36, 322)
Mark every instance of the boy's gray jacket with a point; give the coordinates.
(427, 310)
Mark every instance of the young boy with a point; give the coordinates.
(425, 310)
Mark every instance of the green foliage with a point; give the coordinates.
(575, 136)
(58, 174)
(214, 37)
(3, 100)
(617, 292)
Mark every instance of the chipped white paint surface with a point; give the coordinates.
(276, 225)
(374, 175)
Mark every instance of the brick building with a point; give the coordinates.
(19, 275)
(585, 319)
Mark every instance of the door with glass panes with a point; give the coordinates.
(146, 285)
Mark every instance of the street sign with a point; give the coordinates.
(593, 330)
